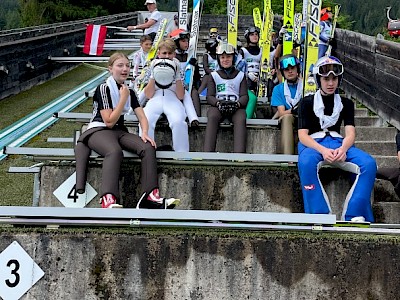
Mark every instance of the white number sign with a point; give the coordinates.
(18, 272)
(68, 196)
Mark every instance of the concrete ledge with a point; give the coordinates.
(230, 188)
(228, 265)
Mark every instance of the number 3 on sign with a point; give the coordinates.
(18, 272)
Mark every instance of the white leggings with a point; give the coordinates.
(165, 101)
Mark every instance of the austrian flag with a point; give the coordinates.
(94, 39)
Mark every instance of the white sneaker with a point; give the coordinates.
(359, 219)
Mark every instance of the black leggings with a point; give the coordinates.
(109, 143)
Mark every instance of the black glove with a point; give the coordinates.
(193, 61)
(227, 108)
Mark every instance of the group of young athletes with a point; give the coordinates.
(230, 81)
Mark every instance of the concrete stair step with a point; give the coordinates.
(361, 112)
(372, 133)
(377, 148)
(259, 139)
(368, 121)
(215, 187)
(386, 160)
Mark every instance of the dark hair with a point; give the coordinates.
(144, 38)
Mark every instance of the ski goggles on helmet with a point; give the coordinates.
(287, 62)
(326, 70)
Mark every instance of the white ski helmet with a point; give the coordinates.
(164, 71)
(325, 66)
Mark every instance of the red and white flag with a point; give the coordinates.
(94, 39)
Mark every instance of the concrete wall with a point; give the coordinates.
(182, 264)
(216, 187)
(372, 69)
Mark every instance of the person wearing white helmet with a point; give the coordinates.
(227, 96)
(165, 92)
(285, 98)
(320, 143)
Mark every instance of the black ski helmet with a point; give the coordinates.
(211, 45)
(179, 34)
(249, 30)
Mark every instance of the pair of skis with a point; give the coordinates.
(143, 78)
(265, 44)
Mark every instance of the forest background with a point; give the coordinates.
(365, 16)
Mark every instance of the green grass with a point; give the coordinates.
(17, 189)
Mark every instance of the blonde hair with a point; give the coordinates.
(116, 56)
(168, 44)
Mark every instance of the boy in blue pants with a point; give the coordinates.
(320, 117)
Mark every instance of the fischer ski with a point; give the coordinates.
(182, 15)
(143, 78)
(194, 36)
(257, 20)
(265, 44)
(233, 11)
(311, 46)
(288, 16)
(297, 28)
(334, 22)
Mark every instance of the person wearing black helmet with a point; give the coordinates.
(181, 38)
(252, 56)
(191, 101)
(210, 63)
(285, 98)
(320, 142)
(227, 96)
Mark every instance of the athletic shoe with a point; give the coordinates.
(109, 201)
(154, 201)
(359, 219)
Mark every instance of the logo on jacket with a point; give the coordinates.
(309, 187)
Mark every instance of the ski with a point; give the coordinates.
(288, 16)
(182, 15)
(152, 53)
(334, 22)
(311, 46)
(265, 44)
(257, 20)
(233, 11)
(194, 36)
(297, 28)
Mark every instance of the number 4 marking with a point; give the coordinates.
(72, 194)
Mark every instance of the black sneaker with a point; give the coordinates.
(153, 201)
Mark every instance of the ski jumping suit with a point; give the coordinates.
(109, 143)
(324, 36)
(357, 202)
(252, 56)
(165, 101)
(192, 101)
(231, 85)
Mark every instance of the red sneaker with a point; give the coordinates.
(109, 201)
